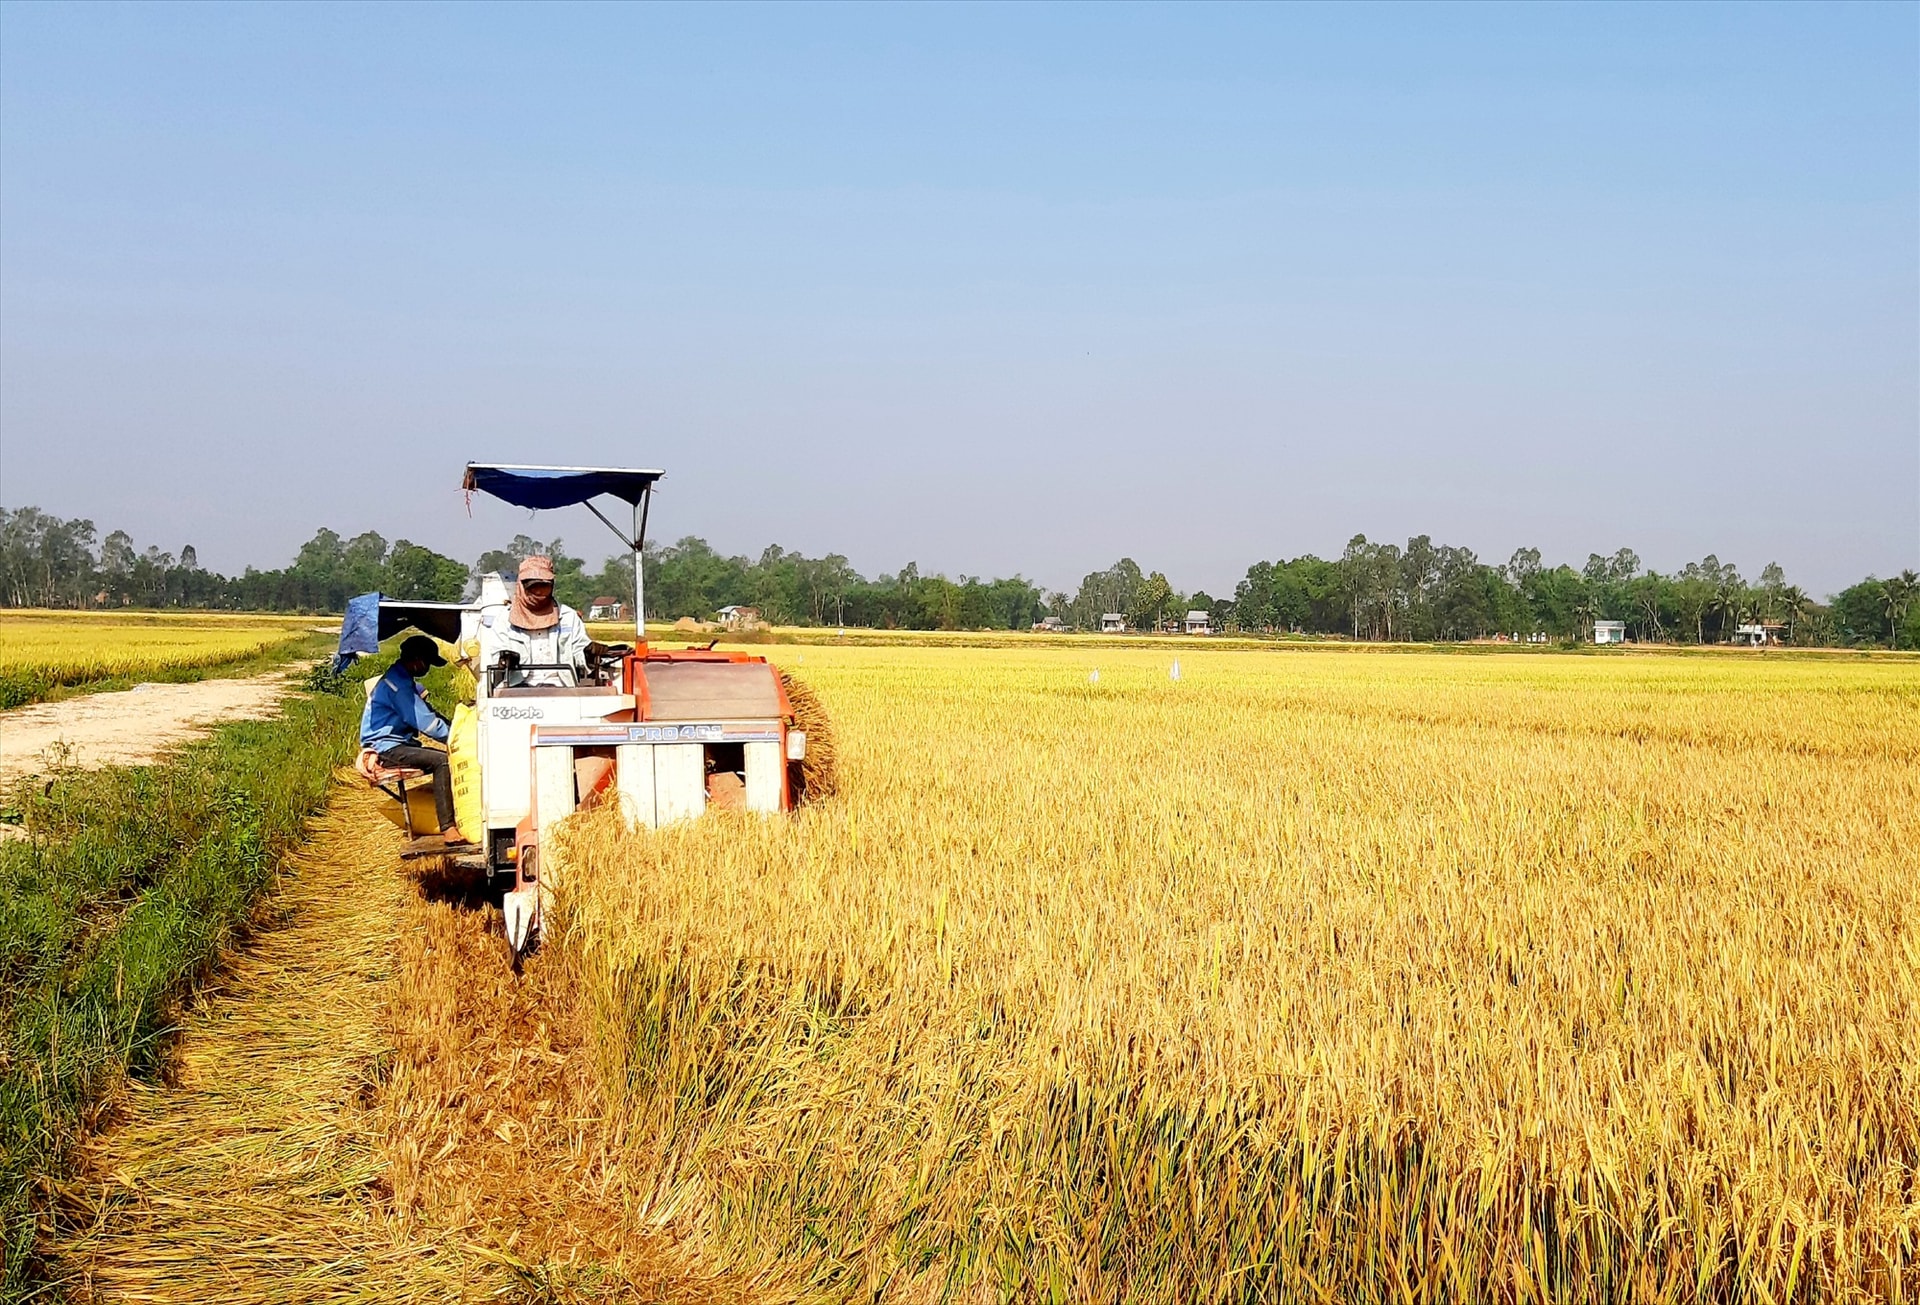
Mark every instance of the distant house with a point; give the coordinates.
(606, 609)
(1756, 636)
(1113, 623)
(1198, 622)
(736, 617)
(1609, 631)
(1050, 624)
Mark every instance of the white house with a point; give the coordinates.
(1198, 622)
(736, 617)
(1113, 623)
(1050, 624)
(1609, 631)
(606, 609)
(1756, 636)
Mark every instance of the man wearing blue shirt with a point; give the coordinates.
(398, 714)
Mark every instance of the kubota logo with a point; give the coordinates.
(518, 713)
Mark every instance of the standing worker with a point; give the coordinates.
(539, 631)
(398, 714)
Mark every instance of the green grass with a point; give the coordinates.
(132, 884)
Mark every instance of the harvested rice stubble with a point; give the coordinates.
(495, 1128)
(369, 1106)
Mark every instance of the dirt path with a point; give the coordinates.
(130, 726)
(370, 1107)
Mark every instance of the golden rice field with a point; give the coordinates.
(1310, 976)
(43, 651)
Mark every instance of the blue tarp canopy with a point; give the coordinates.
(370, 620)
(554, 487)
(359, 631)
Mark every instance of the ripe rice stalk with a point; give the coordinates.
(1301, 978)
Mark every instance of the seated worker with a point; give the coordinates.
(537, 630)
(397, 715)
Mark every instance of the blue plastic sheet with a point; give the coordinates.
(372, 620)
(359, 631)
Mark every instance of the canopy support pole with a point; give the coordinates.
(639, 583)
(545, 487)
(636, 542)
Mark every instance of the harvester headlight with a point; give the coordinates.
(796, 745)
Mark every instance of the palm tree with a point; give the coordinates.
(1793, 605)
(1729, 596)
(1896, 595)
(1586, 607)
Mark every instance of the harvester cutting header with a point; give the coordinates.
(665, 733)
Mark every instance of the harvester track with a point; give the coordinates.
(336, 1062)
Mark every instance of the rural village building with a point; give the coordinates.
(1198, 622)
(1051, 624)
(1113, 623)
(1756, 636)
(1609, 631)
(606, 609)
(735, 617)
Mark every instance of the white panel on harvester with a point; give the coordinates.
(679, 781)
(634, 775)
(766, 772)
(552, 788)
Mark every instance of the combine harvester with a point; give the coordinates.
(663, 732)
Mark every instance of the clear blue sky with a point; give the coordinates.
(983, 287)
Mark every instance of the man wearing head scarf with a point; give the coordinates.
(546, 639)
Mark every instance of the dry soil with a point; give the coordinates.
(131, 726)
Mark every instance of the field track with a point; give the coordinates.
(130, 727)
(341, 1124)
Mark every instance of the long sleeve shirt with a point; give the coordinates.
(564, 644)
(397, 713)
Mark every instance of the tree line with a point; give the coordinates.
(1372, 591)
(1426, 591)
(46, 561)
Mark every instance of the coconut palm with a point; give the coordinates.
(1896, 595)
(1586, 608)
(1794, 606)
(1729, 598)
